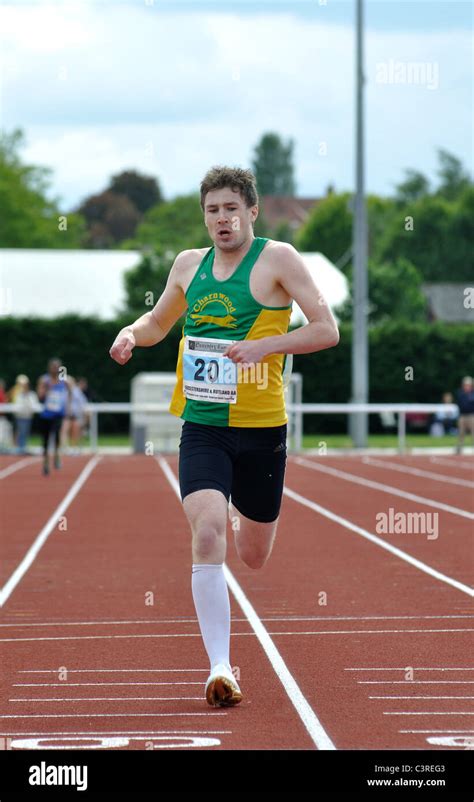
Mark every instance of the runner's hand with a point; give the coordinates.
(121, 350)
(247, 351)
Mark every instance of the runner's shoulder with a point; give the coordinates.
(190, 258)
(185, 265)
(281, 253)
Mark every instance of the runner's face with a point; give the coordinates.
(227, 218)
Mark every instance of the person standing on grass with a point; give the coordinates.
(465, 402)
(237, 296)
(54, 393)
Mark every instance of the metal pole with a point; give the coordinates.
(360, 369)
(94, 431)
(401, 432)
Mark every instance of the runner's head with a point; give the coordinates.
(229, 201)
(53, 367)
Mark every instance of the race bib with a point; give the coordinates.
(207, 375)
(54, 401)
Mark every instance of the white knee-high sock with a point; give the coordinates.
(211, 600)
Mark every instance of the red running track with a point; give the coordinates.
(348, 638)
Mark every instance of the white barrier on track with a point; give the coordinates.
(296, 411)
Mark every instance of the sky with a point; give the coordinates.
(172, 88)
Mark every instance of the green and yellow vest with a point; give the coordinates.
(219, 311)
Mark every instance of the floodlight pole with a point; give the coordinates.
(360, 362)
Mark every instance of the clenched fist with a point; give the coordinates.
(123, 346)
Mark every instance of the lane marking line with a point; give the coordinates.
(240, 620)
(416, 682)
(218, 712)
(134, 699)
(306, 713)
(453, 464)
(438, 477)
(428, 713)
(392, 491)
(415, 668)
(41, 538)
(110, 670)
(239, 634)
(421, 697)
(17, 466)
(374, 539)
(89, 684)
(435, 730)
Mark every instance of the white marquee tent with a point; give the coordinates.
(48, 283)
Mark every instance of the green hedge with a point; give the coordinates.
(440, 354)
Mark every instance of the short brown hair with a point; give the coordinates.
(236, 178)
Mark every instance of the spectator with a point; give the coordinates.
(25, 401)
(444, 421)
(465, 402)
(75, 415)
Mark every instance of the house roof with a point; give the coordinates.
(279, 208)
(446, 301)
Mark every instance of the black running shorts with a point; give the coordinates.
(245, 464)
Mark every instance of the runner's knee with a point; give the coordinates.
(207, 536)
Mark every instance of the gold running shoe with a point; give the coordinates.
(221, 687)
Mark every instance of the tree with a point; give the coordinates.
(454, 180)
(328, 228)
(143, 191)
(273, 166)
(434, 234)
(111, 218)
(29, 218)
(415, 186)
(173, 225)
(394, 293)
(145, 283)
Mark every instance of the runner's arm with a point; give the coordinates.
(319, 333)
(153, 326)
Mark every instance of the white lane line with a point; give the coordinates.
(68, 684)
(111, 670)
(427, 731)
(415, 668)
(151, 622)
(306, 713)
(438, 477)
(123, 732)
(362, 631)
(421, 697)
(107, 637)
(241, 634)
(468, 466)
(240, 620)
(392, 491)
(17, 466)
(428, 713)
(114, 715)
(130, 699)
(416, 682)
(30, 555)
(374, 539)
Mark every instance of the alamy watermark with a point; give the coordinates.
(418, 73)
(407, 523)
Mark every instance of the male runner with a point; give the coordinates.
(237, 296)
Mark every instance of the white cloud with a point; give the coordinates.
(99, 89)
